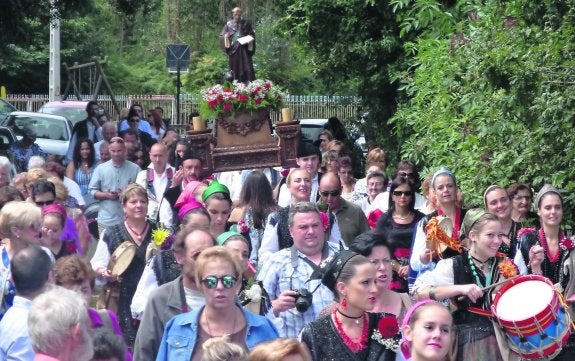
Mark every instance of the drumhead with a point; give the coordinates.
(511, 305)
(121, 258)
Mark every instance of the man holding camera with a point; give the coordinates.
(297, 300)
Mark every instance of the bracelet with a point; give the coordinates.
(432, 293)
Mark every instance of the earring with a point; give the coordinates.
(344, 303)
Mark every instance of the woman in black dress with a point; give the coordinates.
(350, 332)
(397, 225)
(135, 228)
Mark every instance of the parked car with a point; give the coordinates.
(5, 109)
(53, 132)
(310, 129)
(73, 110)
(7, 138)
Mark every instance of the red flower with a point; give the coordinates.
(324, 220)
(227, 107)
(522, 231)
(243, 98)
(388, 327)
(373, 216)
(284, 172)
(257, 101)
(568, 243)
(267, 85)
(70, 247)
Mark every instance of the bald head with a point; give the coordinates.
(159, 157)
(330, 190)
(109, 131)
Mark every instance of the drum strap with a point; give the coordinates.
(480, 311)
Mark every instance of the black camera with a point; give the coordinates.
(303, 300)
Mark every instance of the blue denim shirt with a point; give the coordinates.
(181, 333)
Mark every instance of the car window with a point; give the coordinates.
(6, 108)
(45, 128)
(73, 114)
(310, 132)
(5, 139)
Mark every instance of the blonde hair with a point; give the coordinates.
(212, 254)
(222, 349)
(278, 349)
(61, 190)
(35, 174)
(378, 157)
(133, 189)
(19, 214)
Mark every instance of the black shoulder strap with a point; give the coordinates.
(295, 258)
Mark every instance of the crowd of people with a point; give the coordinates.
(308, 263)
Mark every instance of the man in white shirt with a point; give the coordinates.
(309, 158)
(156, 179)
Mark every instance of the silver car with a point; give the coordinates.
(53, 132)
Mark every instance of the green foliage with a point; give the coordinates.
(494, 104)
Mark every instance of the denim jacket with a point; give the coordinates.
(181, 333)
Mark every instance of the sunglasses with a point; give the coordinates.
(44, 203)
(211, 282)
(402, 193)
(406, 175)
(330, 193)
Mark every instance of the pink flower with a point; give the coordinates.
(522, 231)
(324, 220)
(267, 85)
(568, 243)
(242, 226)
(373, 216)
(243, 98)
(257, 101)
(227, 107)
(388, 327)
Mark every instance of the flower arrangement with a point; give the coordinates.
(387, 333)
(230, 98)
(162, 238)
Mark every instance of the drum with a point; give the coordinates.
(532, 316)
(121, 258)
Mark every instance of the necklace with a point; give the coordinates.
(355, 318)
(481, 263)
(138, 234)
(402, 218)
(476, 276)
(354, 346)
(543, 239)
(225, 333)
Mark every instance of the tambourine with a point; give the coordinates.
(439, 236)
(122, 258)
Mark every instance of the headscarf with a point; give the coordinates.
(215, 187)
(330, 268)
(547, 188)
(442, 171)
(471, 216)
(55, 208)
(187, 194)
(489, 189)
(187, 207)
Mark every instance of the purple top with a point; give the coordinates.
(70, 233)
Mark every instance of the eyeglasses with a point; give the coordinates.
(211, 282)
(403, 193)
(519, 198)
(44, 203)
(330, 193)
(406, 175)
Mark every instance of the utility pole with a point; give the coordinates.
(54, 68)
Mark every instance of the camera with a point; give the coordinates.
(303, 300)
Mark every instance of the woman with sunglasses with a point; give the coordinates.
(521, 196)
(398, 225)
(444, 187)
(252, 294)
(217, 276)
(348, 333)
(497, 201)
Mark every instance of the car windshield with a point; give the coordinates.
(45, 128)
(73, 114)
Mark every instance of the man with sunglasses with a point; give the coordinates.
(287, 272)
(172, 298)
(350, 217)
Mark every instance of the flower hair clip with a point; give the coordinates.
(324, 220)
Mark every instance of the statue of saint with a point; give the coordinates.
(238, 41)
